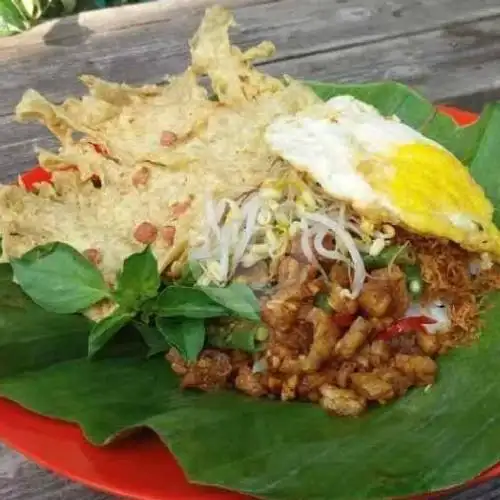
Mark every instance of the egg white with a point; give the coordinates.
(332, 144)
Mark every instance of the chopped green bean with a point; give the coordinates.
(414, 281)
(391, 255)
(321, 301)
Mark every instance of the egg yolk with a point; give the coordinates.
(433, 191)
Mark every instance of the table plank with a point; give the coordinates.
(447, 49)
(445, 64)
(156, 44)
(21, 479)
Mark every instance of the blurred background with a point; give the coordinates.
(17, 16)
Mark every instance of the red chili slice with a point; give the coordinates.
(35, 176)
(38, 174)
(406, 325)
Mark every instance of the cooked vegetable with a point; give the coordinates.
(60, 279)
(187, 335)
(414, 280)
(138, 281)
(188, 302)
(412, 324)
(237, 334)
(321, 301)
(395, 254)
(106, 329)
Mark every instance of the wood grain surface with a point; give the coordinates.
(448, 49)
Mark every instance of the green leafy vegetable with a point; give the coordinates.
(190, 274)
(207, 302)
(31, 337)
(244, 340)
(59, 279)
(484, 164)
(237, 334)
(106, 329)
(187, 335)
(224, 438)
(153, 338)
(138, 281)
(237, 298)
(188, 302)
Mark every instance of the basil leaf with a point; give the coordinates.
(138, 281)
(106, 329)
(153, 338)
(187, 335)
(237, 298)
(59, 279)
(188, 302)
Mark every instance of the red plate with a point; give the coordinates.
(140, 467)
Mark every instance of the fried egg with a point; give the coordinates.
(387, 171)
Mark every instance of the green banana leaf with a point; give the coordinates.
(428, 440)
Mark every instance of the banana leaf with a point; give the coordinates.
(428, 440)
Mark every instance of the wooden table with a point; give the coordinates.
(448, 49)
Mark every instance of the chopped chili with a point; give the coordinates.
(34, 176)
(406, 325)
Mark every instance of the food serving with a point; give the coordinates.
(333, 253)
(227, 242)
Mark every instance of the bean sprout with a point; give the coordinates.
(343, 236)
